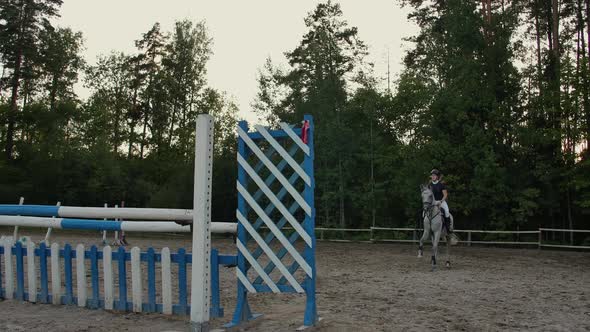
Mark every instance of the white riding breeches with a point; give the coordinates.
(445, 207)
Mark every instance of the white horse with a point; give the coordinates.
(433, 227)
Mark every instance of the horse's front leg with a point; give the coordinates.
(424, 237)
(435, 241)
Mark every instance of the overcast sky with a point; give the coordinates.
(244, 33)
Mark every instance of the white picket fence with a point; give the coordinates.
(77, 276)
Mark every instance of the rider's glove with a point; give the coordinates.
(437, 203)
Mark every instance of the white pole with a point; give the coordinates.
(200, 288)
(104, 233)
(116, 243)
(122, 234)
(124, 213)
(21, 201)
(149, 226)
(48, 234)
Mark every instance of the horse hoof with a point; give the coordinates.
(419, 254)
(448, 264)
(433, 269)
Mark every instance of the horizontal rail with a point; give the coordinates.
(563, 246)
(347, 241)
(395, 229)
(495, 232)
(96, 212)
(467, 241)
(109, 225)
(456, 230)
(344, 229)
(474, 242)
(564, 230)
(393, 240)
(500, 242)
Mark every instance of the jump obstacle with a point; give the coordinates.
(290, 270)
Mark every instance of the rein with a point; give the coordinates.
(427, 209)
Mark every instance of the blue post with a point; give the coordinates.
(31, 295)
(122, 304)
(310, 317)
(216, 309)
(1, 283)
(151, 268)
(69, 297)
(43, 273)
(94, 302)
(20, 272)
(182, 289)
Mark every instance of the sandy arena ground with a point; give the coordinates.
(370, 287)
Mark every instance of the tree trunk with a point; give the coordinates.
(132, 124)
(553, 32)
(539, 60)
(143, 133)
(484, 15)
(117, 123)
(341, 193)
(587, 74)
(13, 106)
(569, 215)
(2, 77)
(588, 24)
(171, 131)
(53, 93)
(373, 205)
(583, 70)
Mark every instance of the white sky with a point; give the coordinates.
(244, 33)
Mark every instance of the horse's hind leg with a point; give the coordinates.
(448, 263)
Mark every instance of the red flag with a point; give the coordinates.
(304, 130)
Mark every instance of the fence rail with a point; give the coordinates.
(468, 241)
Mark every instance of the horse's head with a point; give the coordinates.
(427, 195)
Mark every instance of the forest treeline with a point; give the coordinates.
(493, 93)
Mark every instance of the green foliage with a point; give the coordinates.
(504, 114)
(461, 104)
(133, 139)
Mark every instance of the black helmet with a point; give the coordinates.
(435, 172)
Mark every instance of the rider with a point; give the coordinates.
(439, 189)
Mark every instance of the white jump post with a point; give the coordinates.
(104, 233)
(15, 233)
(116, 242)
(200, 288)
(48, 234)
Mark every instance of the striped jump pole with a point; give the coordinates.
(96, 212)
(110, 225)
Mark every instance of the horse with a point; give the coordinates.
(433, 227)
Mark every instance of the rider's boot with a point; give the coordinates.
(448, 225)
